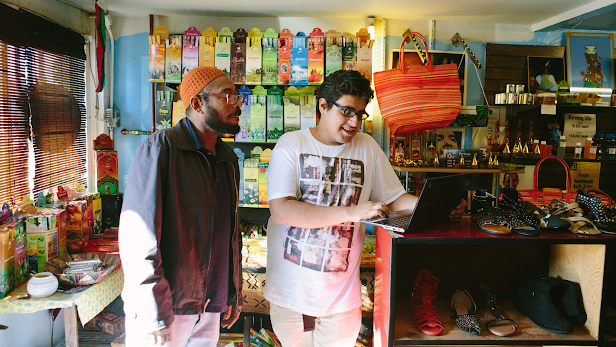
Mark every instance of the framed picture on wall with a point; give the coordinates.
(545, 73)
(438, 58)
(590, 60)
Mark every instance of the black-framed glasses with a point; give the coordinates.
(347, 112)
(232, 99)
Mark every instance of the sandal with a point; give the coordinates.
(574, 215)
(519, 219)
(497, 324)
(465, 308)
(425, 317)
(545, 218)
(488, 218)
(593, 209)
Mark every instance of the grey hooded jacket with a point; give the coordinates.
(165, 229)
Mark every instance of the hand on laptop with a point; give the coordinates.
(369, 210)
(459, 211)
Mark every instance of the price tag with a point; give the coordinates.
(548, 109)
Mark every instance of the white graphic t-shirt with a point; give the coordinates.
(316, 271)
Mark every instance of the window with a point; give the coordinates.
(42, 91)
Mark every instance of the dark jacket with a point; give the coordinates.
(165, 228)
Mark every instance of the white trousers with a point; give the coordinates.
(336, 330)
(202, 330)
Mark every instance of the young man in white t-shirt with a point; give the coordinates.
(321, 182)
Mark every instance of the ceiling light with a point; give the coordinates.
(370, 25)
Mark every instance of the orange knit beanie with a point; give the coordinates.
(195, 80)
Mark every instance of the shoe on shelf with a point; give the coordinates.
(574, 214)
(464, 306)
(519, 219)
(534, 299)
(593, 210)
(497, 324)
(489, 219)
(546, 219)
(425, 316)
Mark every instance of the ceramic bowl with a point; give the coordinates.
(42, 284)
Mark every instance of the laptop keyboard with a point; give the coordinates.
(398, 222)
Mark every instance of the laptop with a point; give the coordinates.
(439, 196)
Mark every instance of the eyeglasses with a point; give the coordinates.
(232, 99)
(347, 112)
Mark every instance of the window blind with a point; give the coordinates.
(42, 99)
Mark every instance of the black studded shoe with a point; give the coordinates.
(593, 210)
(488, 218)
(520, 220)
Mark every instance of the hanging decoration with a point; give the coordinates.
(101, 46)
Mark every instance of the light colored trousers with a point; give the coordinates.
(193, 330)
(336, 330)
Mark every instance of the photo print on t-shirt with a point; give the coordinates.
(326, 181)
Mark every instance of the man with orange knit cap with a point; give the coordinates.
(179, 240)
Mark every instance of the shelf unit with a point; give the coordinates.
(462, 257)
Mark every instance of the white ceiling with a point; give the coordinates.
(539, 14)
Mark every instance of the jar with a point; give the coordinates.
(610, 145)
(577, 154)
(42, 284)
(597, 141)
(562, 144)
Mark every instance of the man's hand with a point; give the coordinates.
(230, 317)
(368, 210)
(457, 213)
(160, 337)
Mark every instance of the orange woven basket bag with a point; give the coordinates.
(418, 97)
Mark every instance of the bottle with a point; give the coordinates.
(578, 151)
(598, 141)
(587, 147)
(543, 148)
(610, 145)
(562, 145)
(480, 142)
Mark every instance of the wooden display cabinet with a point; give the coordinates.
(461, 256)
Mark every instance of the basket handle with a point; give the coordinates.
(564, 165)
(401, 57)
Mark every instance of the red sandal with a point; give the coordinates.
(425, 316)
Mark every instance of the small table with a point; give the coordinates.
(87, 303)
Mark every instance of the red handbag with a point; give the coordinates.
(544, 196)
(418, 97)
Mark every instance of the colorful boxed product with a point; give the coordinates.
(274, 118)
(263, 184)
(333, 52)
(269, 73)
(57, 219)
(103, 141)
(364, 54)
(308, 111)
(240, 161)
(207, 56)
(17, 227)
(285, 48)
(108, 322)
(244, 122)
(42, 246)
(173, 59)
(254, 56)
(349, 52)
(190, 50)
(251, 182)
(299, 60)
(316, 57)
(238, 56)
(258, 117)
(164, 108)
(7, 261)
(157, 54)
(290, 103)
(77, 217)
(107, 172)
(179, 112)
(223, 50)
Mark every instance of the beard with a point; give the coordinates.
(212, 120)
